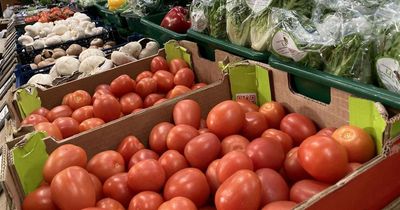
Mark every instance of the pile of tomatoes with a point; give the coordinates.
(241, 157)
(55, 13)
(81, 112)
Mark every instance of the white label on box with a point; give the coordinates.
(389, 72)
(252, 97)
(283, 44)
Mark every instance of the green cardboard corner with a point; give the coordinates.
(174, 50)
(27, 100)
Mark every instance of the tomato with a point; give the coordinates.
(68, 126)
(103, 87)
(231, 163)
(146, 200)
(240, 191)
(59, 111)
(90, 124)
(273, 186)
(158, 63)
(142, 75)
(79, 99)
(212, 176)
(326, 131)
(98, 186)
(177, 91)
(142, 154)
(273, 112)
(190, 183)
(305, 189)
(351, 167)
(100, 93)
(198, 86)
(116, 187)
(129, 146)
(187, 112)
(294, 171)
(83, 113)
(137, 110)
(73, 189)
(160, 101)
(195, 149)
(158, 137)
(66, 98)
(179, 136)
(254, 125)
(107, 108)
(93, 208)
(152, 98)
(176, 64)
(178, 203)
(226, 118)
(109, 203)
(122, 85)
(34, 119)
(323, 158)
(50, 129)
(233, 142)
(280, 205)
(130, 102)
(150, 173)
(41, 111)
(207, 208)
(172, 161)
(279, 136)
(359, 145)
(165, 80)
(146, 86)
(247, 106)
(40, 199)
(105, 164)
(298, 126)
(185, 77)
(204, 130)
(265, 153)
(63, 157)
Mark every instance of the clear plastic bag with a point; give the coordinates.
(217, 19)
(238, 21)
(199, 15)
(142, 8)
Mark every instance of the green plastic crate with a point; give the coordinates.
(114, 20)
(134, 24)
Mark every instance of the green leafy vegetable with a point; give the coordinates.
(302, 7)
(262, 28)
(238, 21)
(217, 19)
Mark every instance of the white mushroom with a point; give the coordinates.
(66, 65)
(38, 44)
(60, 29)
(151, 49)
(119, 58)
(91, 52)
(25, 40)
(40, 79)
(91, 63)
(132, 49)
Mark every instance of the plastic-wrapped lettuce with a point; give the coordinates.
(238, 21)
(199, 15)
(302, 7)
(141, 8)
(217, 19)
(261, 25)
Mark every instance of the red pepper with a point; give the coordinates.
(177, 20)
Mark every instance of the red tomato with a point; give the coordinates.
(105, 164)
(66, 99)
(190, 183)
(265, 153)
(107, 108)
(59, 111)
(207, 208)
(195, 149)
(146, 200)
(177, 91)
(158, 63)
(98, 186)
(145, 74)
(198, 86)
(254, 125)
(273, 112)
(172, 161)
(178, 203)
(130, 102)
(152, 98)
(240, 191)
(359, 145)
(140, 155)
(40, 199)
(73, 189)
(160, 101)
(78, 99)
(165, 80)
(103, 87)
(146, 86)
(273, 186)
(122, 85)
(294, 171)
(109, 203)
(176, 64)
(34, 119)
(101, 92)
(41, 111)
(90, 124)
(326, 132)
(187, 112)
(233, 142)
(231, 163)
(212, 176)
(83, 113)
(305, 189)
(280, 205)
(137, 110)
(158, 137)
(179, 136)
(150, 173)
(68, 126)
(298, 126)
(351, 167)
(279, 136)
(204, 130)
(226, 118)
(116, 187)
(185, 77)
(50, 129)
(247, 106)
(93, 208)
(323, 158)
(63, 157)
(129, 146)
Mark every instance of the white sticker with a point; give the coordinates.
(252, 97)
(283, 44)
(389, 72)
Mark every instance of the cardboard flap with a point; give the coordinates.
(27, 100)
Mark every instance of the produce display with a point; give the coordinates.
(53, 14)
(177, 19)
(256, 158)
